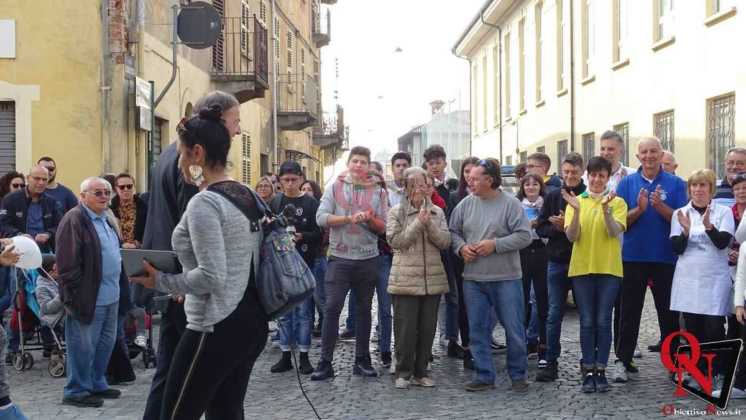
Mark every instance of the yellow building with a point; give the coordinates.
(69, 78)
(553, 75)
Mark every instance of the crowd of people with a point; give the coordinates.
(600, 229)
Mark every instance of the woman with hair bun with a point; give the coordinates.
(219, 251)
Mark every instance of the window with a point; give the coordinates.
(721, 6)
(523, 157)
(560, 35)
(7, 136)
(623, 130)
(539, 41)
(509, 160)
(522, 64)
(474, 98)
(246, 159)
(507, 75)
(561, 151)
(263, 12)
(663, 128)
(496, 85)
(484, 92)
(621, 29)
(663, 23)
(589, 146)
(588, 37)
(290, 48)
(721, 120)
(541, 149)
(245, 18)
(277, 44)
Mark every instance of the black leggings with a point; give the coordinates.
(210, 371)
(463, 320)
(534, 268)
(706, 328)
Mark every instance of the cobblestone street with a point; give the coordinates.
(351, 397)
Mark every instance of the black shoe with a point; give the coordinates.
(347, 335)
(655, 348)
(548, 374)
(631, 367)
(109, 394)
(386, 359)
(363, 367)
(9, 358)
(602, 384)
(498, 347)
(323, 371)
(454, 350)
(83, 401)
(316, 331)
(589, 382)
(468, 360)
(284, 365)
(305, 365)
(532, 349)
(47, 353)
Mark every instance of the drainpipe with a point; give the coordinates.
(274, 90)
(572, 77)
(499, 77)
(174, 37)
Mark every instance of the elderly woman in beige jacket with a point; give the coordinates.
(417, 231)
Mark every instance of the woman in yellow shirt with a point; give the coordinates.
(594, 223)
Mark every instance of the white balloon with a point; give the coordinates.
(28, 250)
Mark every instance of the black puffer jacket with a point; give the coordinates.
(559, 248)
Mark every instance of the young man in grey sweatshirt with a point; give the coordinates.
(488, 229)
(354, 208)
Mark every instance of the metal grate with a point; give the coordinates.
(561, 151)
(721, 118)
(664, 129)
(7, 136)
(523, 156)
(589, 146)
(218, 50)
(246, 159)
(623, 130)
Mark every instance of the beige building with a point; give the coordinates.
(553, 75)
(74, 81)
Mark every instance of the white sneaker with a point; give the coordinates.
(141, 341)
(620, 372)
(542, 364)
(401, 383)
(424, 382)
(392, 368)
(443, 341)
(637, 354)
(735, 393)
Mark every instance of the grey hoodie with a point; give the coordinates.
(343, 198)
(50, 304)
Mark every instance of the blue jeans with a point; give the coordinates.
(350, 322)
(558, 284)
(319, 294)
(532, 332)
(595, 295)
(504, 297)
(89, 347)
(385, 319)
(295, 327)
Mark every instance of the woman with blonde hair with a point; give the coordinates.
(701, 232)
(265, 189)
(417, 231)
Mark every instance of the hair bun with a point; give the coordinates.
(213, 113)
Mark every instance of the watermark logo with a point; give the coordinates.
(687, 363)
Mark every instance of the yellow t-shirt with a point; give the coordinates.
(596, 252)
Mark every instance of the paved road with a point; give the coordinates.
(277, 396)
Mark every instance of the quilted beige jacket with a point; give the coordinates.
(417, 268)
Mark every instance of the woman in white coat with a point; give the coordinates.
(700, 234)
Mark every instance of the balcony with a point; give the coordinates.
(298, 103)
(329, 1)
(322, 27)
(239, 58)
(331, 132)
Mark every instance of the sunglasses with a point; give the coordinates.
(126, 186)
(100, 193)
(18, 185)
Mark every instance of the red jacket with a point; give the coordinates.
(438, 200)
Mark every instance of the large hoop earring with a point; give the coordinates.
(195, 172)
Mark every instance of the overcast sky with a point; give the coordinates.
(385, 93)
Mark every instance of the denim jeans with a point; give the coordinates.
(385, 319)
(595, 295)
(319, 294)
(89, 347)
(558, 284)
(504, 297)
(351, 310)
(295, 327)
(532, 332)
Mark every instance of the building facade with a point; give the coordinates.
(73, 82)
(553, 75)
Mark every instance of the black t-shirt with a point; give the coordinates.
(304, 221)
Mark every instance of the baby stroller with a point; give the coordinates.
(30, 325)
(146, 304)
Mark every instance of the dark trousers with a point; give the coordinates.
(343, 275)
(534, 268)
(415, 320)
(738, 330)
(173, 323)
(210, 370)
(120, 368)
(463, 318)
(706, 328)
(628, 307)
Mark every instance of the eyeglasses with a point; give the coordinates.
(17, 185)
(100, 193)
(51, 168)
(741, 177)
(488, 165)
(126, 187)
